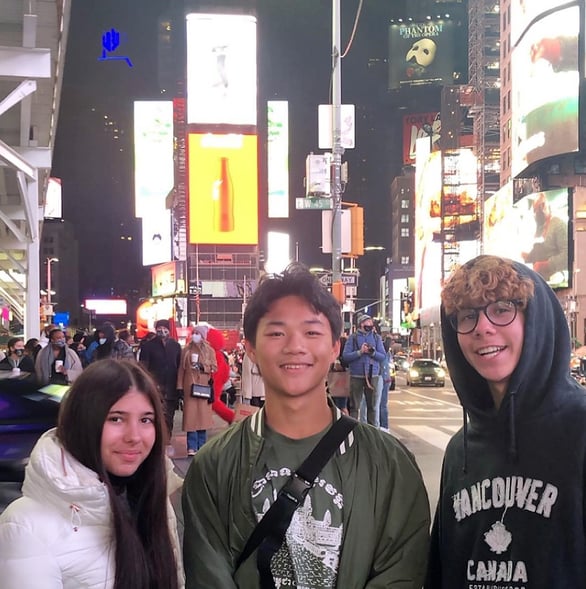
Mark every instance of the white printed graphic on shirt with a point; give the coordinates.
(511, 492)
(310, 554)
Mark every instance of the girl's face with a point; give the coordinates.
(128, 435)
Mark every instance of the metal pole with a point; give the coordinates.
(49, 305)
(49, 260)
(337, 149)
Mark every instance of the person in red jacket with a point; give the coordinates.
(216, 340)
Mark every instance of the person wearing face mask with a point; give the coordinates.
(109, 346)
(16, 358)
(363, 354)
(161, 356)
(56, 363)
(198, 363)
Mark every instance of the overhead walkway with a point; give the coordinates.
(33, 39)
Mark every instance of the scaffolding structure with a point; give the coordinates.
(484, 78)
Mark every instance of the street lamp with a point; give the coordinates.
(50, 307)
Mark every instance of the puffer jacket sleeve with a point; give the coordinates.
(206, 558)
(24, 561)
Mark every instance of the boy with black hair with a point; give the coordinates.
(365, 520)
(512, 507)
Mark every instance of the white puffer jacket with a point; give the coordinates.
(59, 535)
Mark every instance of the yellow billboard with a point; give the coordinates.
(223, 189)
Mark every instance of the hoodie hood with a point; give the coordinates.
(216, 339)
(542, 376)
(109, 333)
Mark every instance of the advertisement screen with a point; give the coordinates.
(534, 231)
(525, 11)
(544, 70)
(167, 279)
(413, 129)
(278, 158)
(436, 251)
(156, 237)
(106, 306)
(460, 195)
(421, 53)
(53, 200)
(153, 154)
(221, 69)
(223, 189)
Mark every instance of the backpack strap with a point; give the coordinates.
(269, 533)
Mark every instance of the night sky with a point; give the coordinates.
(294, 39)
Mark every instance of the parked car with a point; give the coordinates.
(425, 371)
(26, 412)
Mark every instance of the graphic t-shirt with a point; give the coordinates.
(309, 556)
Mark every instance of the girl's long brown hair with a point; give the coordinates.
(144, 551)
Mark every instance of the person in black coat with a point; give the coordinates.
(161, 357)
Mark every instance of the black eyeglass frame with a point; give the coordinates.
(453, 318)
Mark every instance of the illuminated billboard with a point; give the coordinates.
(153, 155)
(534, 231)
(167, 279)
(442, 245)
(460, 206)
(156, 237)
(525, 11)
(278, 248)
(221, 69)
(53, 199)
(223, 189)
(278, 158)
(413, 130)
(106, 306)
(544, 70)
(421, 53)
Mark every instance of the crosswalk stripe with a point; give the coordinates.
(429, 434)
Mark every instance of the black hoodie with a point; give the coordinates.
(511, 513)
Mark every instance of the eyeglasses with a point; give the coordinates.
(500, 313)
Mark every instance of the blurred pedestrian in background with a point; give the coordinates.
(252, 387)
(197, 367)
(56, 363)
(363, 353)
(16, 360)
(161, 356)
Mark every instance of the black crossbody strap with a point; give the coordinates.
(270, 531)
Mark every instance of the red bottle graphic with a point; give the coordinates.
(223, 196)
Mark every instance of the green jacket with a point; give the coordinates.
(386, 511)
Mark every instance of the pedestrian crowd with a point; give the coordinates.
(300, 494)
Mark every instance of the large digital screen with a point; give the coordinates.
(156, 237)
(534, 231)
(221, 69)
(544, 70)
(153, 154)
(53, 199)
(523, 12)
(421, 53)
(278, 158)
(223, 189)
(437, 247)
